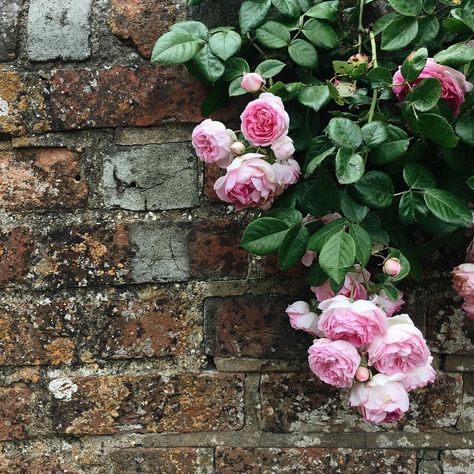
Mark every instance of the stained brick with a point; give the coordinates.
(15, 411)
(35, 464)
(47, 178)
(299, 460)
(252, 326)
(460, 461)
(141, 404)
(16, 247)
(9, 28)
(211, 175)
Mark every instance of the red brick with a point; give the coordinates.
(16, 247)
(34, 464)
(270, 268)
(161, 460)
(214, 249)
(143, 404)
(47, 178)
(302, 460)
(211, 174)
(15, 407)
(252, 326)
(143, 21)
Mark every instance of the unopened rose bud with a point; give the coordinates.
(392, 267)
(358, 59)
(284, 148)
(362, 374)
(237, 148)
(252, 82)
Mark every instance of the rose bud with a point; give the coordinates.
(237, 148)
(362, 374)
(252, 82)
(392, 267)
(358, 59)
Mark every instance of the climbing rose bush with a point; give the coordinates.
(354, 156)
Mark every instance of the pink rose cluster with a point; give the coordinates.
(359, 346)
(463, 283)
(260, 166)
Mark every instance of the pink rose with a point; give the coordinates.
(357, 322)
(387, 305)
(308, 258)
(401, 349)
(328, 218)
(392, 267)
(302, 318)
(264, 120)
(286, 172)
(381, 400)
(283, 148)
(468, 307)
(353, 287)
(419, 377)
(249, 182)
(334, 362)
(463, 280)
(252, 82)
(453, 84)
(212, 142)
(362, 374)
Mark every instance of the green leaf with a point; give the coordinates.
(374, 133)
(400, 33)
(316, 275)
(438, 130)
(409, 204)
(287, 7)
(235, 89)
(470, 182)
(273, 35)
(319, 238)
(319, 149)
(345, 133)
(374, 189)
(428, 28)
(316, 97)
(391, 292)
(303, 53)
(176, 47)
(320, 34)
(456, 55)
(465, 127)
(194, 28)
(392, 148)
(448, 207)
(252, 13)
(337, 256)
(264, 236)
(414, 64)
(269, 68)
(293, 247)
(225, 44)
(380, 77)
(324, 10)
(235, 67)
(208, 64)
(407, 7)
(350, 166)
(373, 226)
(404, 263)
(353, 210)
(425, 95)
(363, 247)
(214, 100)
(287, 215)
(382, 23)
(320, 195)
(417, 176)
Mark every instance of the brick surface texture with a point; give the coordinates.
(135, 335)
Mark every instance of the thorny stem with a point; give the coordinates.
(373, 47)
(256, 46)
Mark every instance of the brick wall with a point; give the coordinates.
(135, 336)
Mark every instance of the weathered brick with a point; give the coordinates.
(143, 22)
(460, 461)
(152, 177)
(167, 132)
(252, 326)
(211, 174)
(58, 29)
(9, 19)
(16, 463)
(47, 178)
(300, 460)
(142, 404)
(15, 411)
(214, 249)
(162, 460)
(16, 247)
(466, 419)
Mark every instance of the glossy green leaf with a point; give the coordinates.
(273, 35)
(363, 245)
(345, 133)
(392, 148)
(264, 236)
(320, 33)
(225, 44)
(337, 256)
(293, 247)
(374, 189)
(315, 97)
(252, 13)
(448, 207)
(176, 47)
(465, 127)
(352, 209)
(208, 64)
(324, 10)
(456, 55)
(417, 176)
(414, 64)
(407, 7)
(400, 33)
(438, 130)
(303, 53)
(287, 7)
(317, 241)
(235, 67)
(350, 166)
(374, 133)
(425, 95)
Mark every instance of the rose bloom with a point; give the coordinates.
(401, 349)
(283, 149)
(356, 322)
(453, 84)
(381, 400)
(212, 142)
(353, 287)
(334, 362)
(387, 305)
(419, 377)
(250, 181)
(286, 172)
(463, 280)
(468, 307)
(302, 318)
(264, 120)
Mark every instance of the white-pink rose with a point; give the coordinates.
(308, 258)
(212, 142)
(357, 322)
(264, 120)
(334, 362)
(302, 318)
(284, 148)
(252, 82)
(380, 400)
(419, 377)
(353, 287)
(387, 305)
(286, 172)
(392, 267)
(401, 349)
(463, 280)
